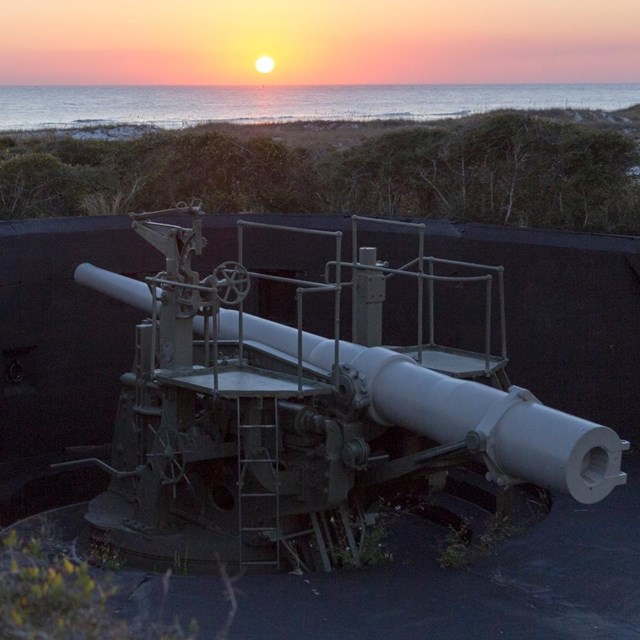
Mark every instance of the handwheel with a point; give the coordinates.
(232, 282)
(169, 451)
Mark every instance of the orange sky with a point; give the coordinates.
(323, 42)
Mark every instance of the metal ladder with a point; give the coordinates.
(245, 460)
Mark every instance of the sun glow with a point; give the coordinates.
(472, 42)
(265, 64)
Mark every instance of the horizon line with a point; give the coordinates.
(307, 85)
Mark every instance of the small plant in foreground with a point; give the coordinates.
(373, 529)
(57, 599)
(374, 547)
(458, 550)
(498, 529)
(105, 556)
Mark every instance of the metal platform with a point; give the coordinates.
(457, 363)
(243, 381)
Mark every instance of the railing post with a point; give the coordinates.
(431, 306)
(503, 322)
(354, 275)
(336, 322)
(420, 291)
(241, 307)
(487, 335)
(299, 294)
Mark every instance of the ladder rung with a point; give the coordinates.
(258, 495)
(259, 460)
(297, 534)
(257, 426)
(259, 529)
(261, 562)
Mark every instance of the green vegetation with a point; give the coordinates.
(456, 551)
(52, 598)
(373, 539)
(105, 556)
(460, 549)
(554, 169)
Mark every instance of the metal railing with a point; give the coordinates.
(304, 287)
(205, 308)
(420, 227)
(431, 278)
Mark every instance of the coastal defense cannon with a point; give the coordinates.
(257, 437)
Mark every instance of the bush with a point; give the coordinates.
(6, 142)
(56, 599)
(35, 185)
(508, 167)
(504, 168)
(394, 174)
(226, 175)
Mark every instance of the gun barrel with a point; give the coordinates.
(522, 439)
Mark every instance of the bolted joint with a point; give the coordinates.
(476, 441)
(355, 454)
(352, 389)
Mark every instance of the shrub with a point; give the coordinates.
(507, 167)
(34, 185)
(503, 168)
(7, 142)
(52, 598)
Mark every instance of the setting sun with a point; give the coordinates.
(265, 64)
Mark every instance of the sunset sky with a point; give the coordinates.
(319, 42)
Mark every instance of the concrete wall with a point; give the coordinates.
(573, 306)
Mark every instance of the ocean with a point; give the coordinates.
(174, 107)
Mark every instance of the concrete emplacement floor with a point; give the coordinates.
(575, 575)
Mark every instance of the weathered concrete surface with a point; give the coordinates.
(572, 577)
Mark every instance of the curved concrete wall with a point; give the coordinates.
(573, 304)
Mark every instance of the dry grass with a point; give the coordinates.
(313, 135)
(340, 135)
(316, 135)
